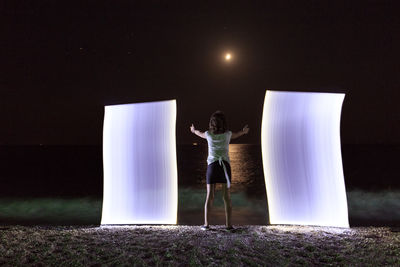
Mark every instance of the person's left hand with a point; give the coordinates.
(192, 129)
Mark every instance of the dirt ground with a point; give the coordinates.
(190, 246)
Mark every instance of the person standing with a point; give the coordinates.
(218, 164)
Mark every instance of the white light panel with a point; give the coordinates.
(302, 158)
(140, 169)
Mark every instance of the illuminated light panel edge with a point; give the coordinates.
(302, 159)
(139, 160)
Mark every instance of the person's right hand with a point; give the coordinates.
(246, 129)
(192, 129)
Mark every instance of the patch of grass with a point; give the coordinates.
(249, 261)
(59, 211)
(383, 205)
(190, 199)
(310, 248)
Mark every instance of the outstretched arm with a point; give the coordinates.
(244, 131)
(197, 132)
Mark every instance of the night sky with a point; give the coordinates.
(62, 61)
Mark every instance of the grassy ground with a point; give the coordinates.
(248, 245)
(365, 209)
(190, 246)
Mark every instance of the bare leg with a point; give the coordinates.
(209, 202)
(228, 205)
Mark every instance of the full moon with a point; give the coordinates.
(228, 56)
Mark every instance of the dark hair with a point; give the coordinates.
(218, 123)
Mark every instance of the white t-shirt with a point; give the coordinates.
(218, 146)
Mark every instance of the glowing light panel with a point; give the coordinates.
(302, 158)
(139, 158)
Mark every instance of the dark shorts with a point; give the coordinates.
(215, 173)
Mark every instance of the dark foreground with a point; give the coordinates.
(188, 245)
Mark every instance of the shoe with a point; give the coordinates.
(205, 227)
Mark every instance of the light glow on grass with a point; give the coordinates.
(140, 169)
(302, 158)
(302, 229)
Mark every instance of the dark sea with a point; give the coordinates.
(76, 172)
